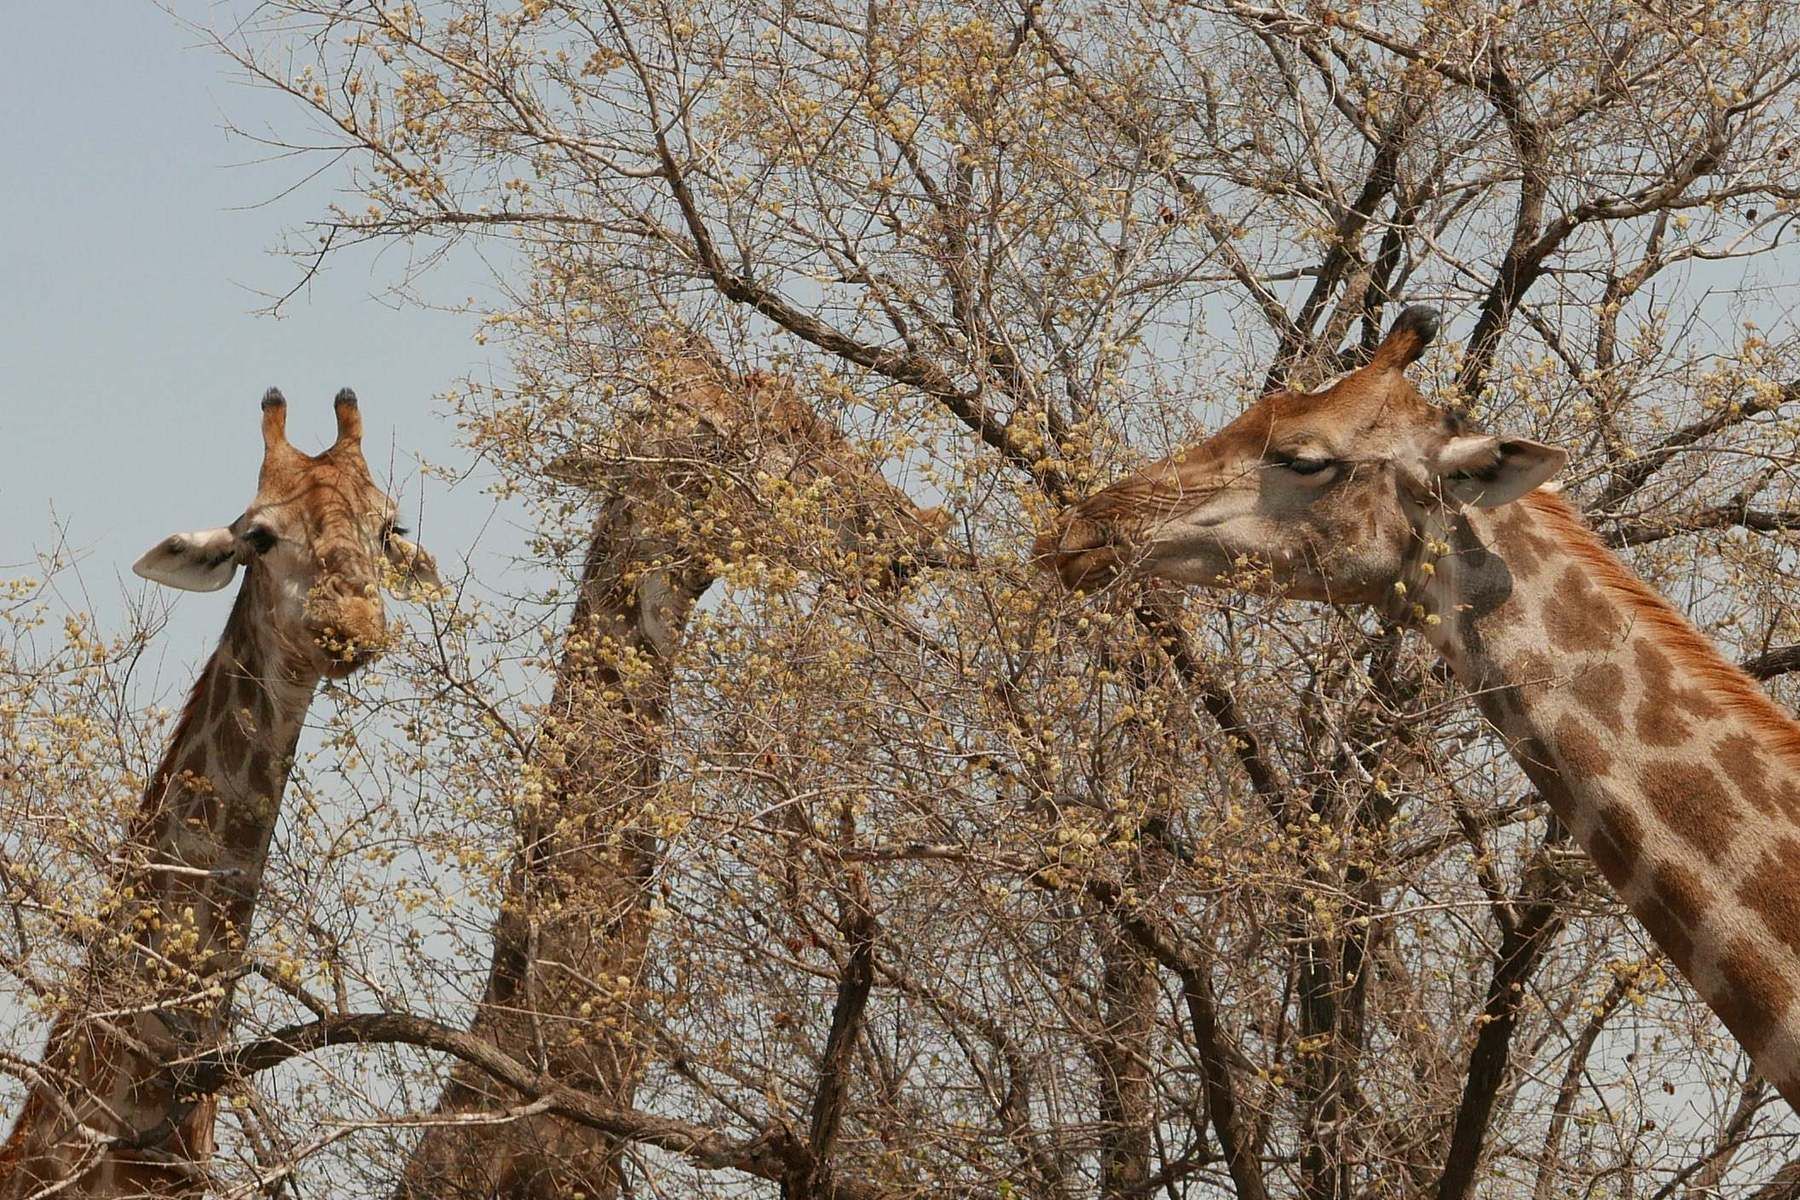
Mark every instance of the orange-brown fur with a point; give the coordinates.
(307, 608)
(1598, 684)
(1693, 651)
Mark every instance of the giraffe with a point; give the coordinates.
(576, 906)
(1676, 773)
(104, 1116)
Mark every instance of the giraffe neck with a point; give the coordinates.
(211, 806)
(174, 929)
(1675, 771)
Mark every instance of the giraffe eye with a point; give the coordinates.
(393, 529)
(1304, 466)
(260, 538)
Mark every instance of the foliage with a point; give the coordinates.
(952, 883)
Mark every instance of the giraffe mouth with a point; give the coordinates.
(345, 655)
(337, 667)
(1080, 551)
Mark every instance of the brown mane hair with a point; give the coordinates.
(1690, 649)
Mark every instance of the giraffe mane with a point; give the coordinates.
(1691, 650)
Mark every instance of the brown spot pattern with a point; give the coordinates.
(1550, 785)
(1660, 688)
(1752, 994)
(230, 739)
(1674, 910)
(194, 763)
(1580, 751)
(1616, 847)
(260, 775)
(199, 794)
(1681, 892)
(1659, 724)
(1601, 690)
(1577, 616)
(1769, 891)
(1520, 544)
(247, 821)
(1668, 932)
(1740, 757)
(248, 696)
(1694, 804)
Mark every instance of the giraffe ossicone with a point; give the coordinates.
(1679, 775)
(316, 545)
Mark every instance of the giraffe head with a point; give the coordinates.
(316, 543)
(1327, 492)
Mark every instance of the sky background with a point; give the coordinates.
(137, 240)
(135, 250)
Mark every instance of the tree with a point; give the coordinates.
(963, 885)
(574, 921)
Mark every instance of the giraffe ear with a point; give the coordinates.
(413, 565)
(194, 562)
(1486, 472)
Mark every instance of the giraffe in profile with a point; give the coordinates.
(1678, 775)
(103, 1117)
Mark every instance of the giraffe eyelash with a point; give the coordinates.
(1302, 464)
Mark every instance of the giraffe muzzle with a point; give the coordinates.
(349, 630)
(1081, 552)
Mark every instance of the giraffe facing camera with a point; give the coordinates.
(315, 544)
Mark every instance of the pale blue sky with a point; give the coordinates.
(135, 238)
